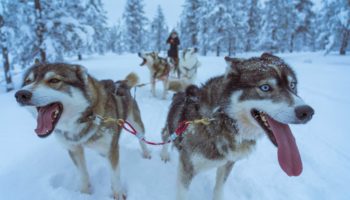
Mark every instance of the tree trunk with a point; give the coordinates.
(247, 46)
(218, 50)
(40, 30)
(204, 50)
(8, 78)
(80, 57)
(194, 40)
(344, 42)
(230, 48)
(291, 44)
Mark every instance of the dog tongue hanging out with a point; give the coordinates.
(255, 97)
(66, 102)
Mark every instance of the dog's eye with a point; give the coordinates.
(265, 88)
(54, 80)
(27, 81)
(292, 85)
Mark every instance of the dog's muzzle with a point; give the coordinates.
(23, 97)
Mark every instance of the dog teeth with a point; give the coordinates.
(55, 114)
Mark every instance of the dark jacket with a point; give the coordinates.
(173, 51)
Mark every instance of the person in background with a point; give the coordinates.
(173, 53)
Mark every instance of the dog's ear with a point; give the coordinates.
(192, 93)
(81, 73)
(270, 57)
(192, 90)
(155, 54)
(232, 64)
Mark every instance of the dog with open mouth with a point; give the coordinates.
(70, 103)
(255, 97)
(159, 70)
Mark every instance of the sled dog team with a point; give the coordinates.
(254, 97)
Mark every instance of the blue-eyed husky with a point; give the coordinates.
(255, 97)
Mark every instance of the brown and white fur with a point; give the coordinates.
(189, 65)
(250, 90)
(67, 101)
(159, 70)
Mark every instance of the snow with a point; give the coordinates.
(38, 169)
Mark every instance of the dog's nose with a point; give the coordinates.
(304, 113)
(23, 96)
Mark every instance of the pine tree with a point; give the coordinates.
(225, 29)
(135, 22)
(279, 23)
(59, 29)
(336, 30)
(159, 31)
(4, 50)
(96, 17)
(20, 35)
(304, 33)
(239, 27)
(115, 40)
(254, 23)
(190, 21)
(204, 25)
(40, 30)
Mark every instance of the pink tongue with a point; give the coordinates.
(44, 119)
(288, 153)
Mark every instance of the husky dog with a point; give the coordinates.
(66, 100)
(189, 64)
(188, 67)
(256, 96)
(159, 70)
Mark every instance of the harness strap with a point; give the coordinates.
(129, 128)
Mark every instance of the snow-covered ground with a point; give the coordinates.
(34, 168)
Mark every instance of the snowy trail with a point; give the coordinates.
(41, 169)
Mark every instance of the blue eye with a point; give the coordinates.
(265, 88)
(292, 85)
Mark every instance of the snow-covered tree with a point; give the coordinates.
(303, 36)
(115, 39)
(135, 26)
(279, 25)
(240, 26)
(204, 31)
(335, 32)
(19, 31)
(190, 21)
(159, 31)
(227, 21)
(254, 23)
(95, 16)
(39, 29)
(5, 56)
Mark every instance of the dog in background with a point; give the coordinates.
(159, 70)
(69, 102)
(189, 65)
(255, 97)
